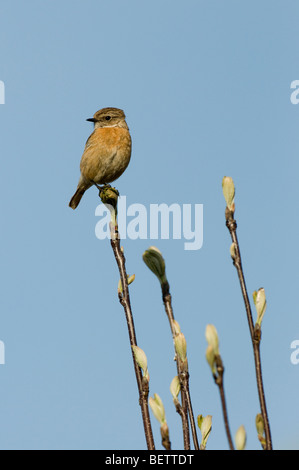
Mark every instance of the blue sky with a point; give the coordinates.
(206, 89)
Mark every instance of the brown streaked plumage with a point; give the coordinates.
(107, 151)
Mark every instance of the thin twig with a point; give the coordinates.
(254, 332)
(183, 376)
(185, 381)
(219, 381)
(124, 298)
(182, 410)
(184, 416)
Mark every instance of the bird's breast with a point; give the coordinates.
(107, 154)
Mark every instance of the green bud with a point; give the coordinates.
(259, 423)
(130, 280)
(210, 357)
(155, 262)
(233, 252)
(141, 360)
(205, 426)
(157, 408)
(199, 420)
(240, 438)
(259, 299)
(212, 338)
(228, 189)
(176, 327)
(175, 387)
(262, 441)
(180, 345)
(109, 197)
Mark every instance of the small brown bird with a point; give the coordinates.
(107, 151)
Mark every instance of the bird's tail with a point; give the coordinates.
(74, 202)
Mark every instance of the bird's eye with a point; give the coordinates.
(108, 118)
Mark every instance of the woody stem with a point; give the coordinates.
(254, 333)
(183, 378)
(110, 198)
(219, 381)
(125, 302)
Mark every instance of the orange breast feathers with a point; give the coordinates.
(106, 155)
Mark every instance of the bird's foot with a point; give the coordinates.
(101, 188)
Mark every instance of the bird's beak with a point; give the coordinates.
(91, 119)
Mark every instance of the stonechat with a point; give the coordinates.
(107, 152)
